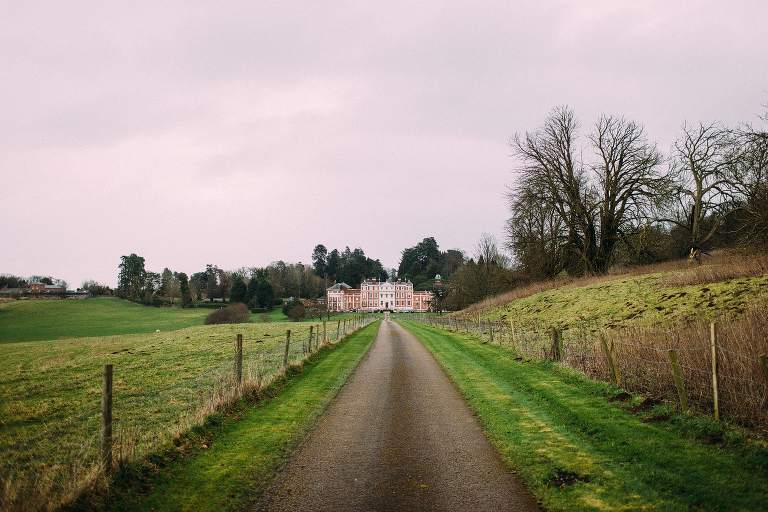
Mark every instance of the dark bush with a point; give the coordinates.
(232, 314)
(294, 309)
(277, 302)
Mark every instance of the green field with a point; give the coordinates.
(577, 450)
(244, 448)
(28, 320)
(50, 390)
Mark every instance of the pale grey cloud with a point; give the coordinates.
(241, 132)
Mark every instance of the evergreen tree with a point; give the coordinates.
(265, 296)
(211, 286)
(250, 297)
(239, 291)
(332, 264)
(132, 276)
(186, 296)
(319, 260)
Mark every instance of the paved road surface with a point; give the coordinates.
(397, 437)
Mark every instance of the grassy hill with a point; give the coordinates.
(31, 320)
(726, 284)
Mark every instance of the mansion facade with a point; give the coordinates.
(375, 295)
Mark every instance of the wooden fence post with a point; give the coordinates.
(309, 341)
(338, 329)
(344, 330)
(317, 337)
(325, 333)
(106, 420)
(239, 359)
(512, 333)
(715, 390)
(490, 330)
(287, 347)
(557, 354)
(608, 351)
(677, 374)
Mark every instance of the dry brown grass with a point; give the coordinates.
(722, 266)
(641, 354)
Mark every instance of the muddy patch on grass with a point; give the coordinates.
(563, 478)
(646, 405)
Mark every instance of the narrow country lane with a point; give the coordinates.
(398, 437)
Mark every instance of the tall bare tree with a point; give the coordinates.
(704, 191)
(597, 204)
(749, 176)
(536, 234)
(550, 167)
(629, 185)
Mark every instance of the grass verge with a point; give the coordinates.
(577, 450)
(228, 462)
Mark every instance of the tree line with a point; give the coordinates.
(347, 266)
(258, 287)
(626, 202)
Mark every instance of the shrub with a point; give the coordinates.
(232, 314)
(294, 309)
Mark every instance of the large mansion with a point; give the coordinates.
(375, 295)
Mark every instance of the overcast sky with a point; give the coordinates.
(238, 133)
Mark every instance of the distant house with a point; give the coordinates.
(375, 295)
(35, 289)
(47, 289)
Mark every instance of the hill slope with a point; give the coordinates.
(725, 285)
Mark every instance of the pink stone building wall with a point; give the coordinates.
(375, 295)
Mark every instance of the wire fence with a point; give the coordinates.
(125, 410)
(718, 369)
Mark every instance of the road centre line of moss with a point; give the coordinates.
(577, 451)
(247, 451)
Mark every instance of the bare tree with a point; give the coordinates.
(550, 167)
(488, 250)
(536, 234)
(704, 191)
(749, 177)
(629, 186)
(173, 289)
(597, 204)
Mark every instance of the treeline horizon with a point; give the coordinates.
(582, 203)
